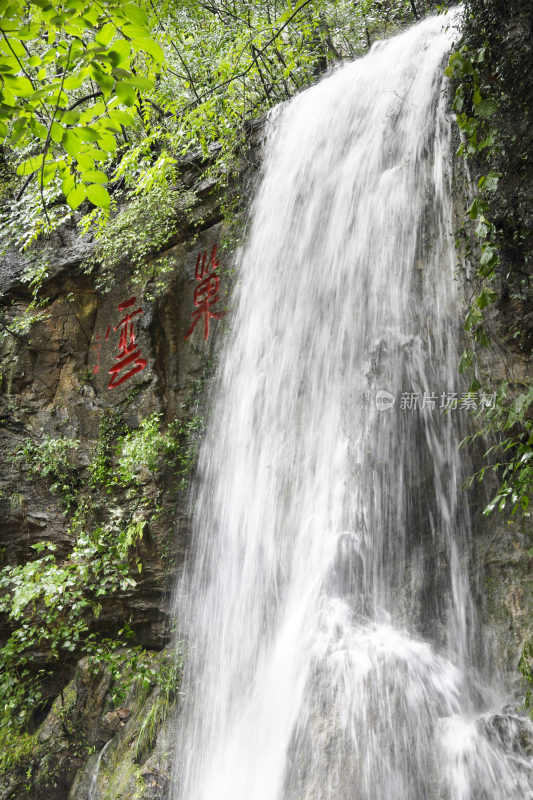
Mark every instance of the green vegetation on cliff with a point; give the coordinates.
(491, 70)
(61, 609)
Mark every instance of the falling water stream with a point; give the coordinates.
(332, 644)
(93, 784)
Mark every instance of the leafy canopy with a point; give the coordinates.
(68, 74)
(95, 92)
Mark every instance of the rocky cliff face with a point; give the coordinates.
(80, 380)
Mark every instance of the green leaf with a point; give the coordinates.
(76, 196)
(122, 49)
(105, 35)
(98, 195)
(113, 58)
(19, 129)
(465, 362)
(145, 84)
(85, 160)
(126, 93)
(489, 182)
(473, 317)
(488, 141)
(94, 176)
(134, 14)
(87, 134)
(29, 31)
(480, 335)
(477, 208)
(70, 117)
(105, 81)
(110, 125)
(94, 154)
(486, 297)
(49, 171)
(488, 255)
(10, 26)
(68, 184)
(37, 129)
(92, 112)
(122, 117)
(20, 86)
(75, 81)
(151, 47)
(30, 165)
(57, 132)
(71, 143)
(108, 142)
(485, 108)
(462, 121)
(9, 65)
(135, 33)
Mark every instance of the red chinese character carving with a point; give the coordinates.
(127, 349)
(206, 293)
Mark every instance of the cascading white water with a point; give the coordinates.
(327, 616)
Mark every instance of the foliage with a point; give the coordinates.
(477, 136)
(493, 102)
(50, 604)
(53, 604)
(143, 227)
(526, 668)
(101, 466)
(115, 92)
(187, 435)
(68, 72)
(510, 419)
(168, 680)
(51, 458)
(15, 750)
(142, 449)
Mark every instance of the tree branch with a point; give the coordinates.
(49, 136)
(83, 99)
(248, 68)
(186, 66)
(25, 185)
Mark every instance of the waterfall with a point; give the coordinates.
(332, 645)
(92, 795)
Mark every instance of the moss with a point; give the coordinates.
(121, 778)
